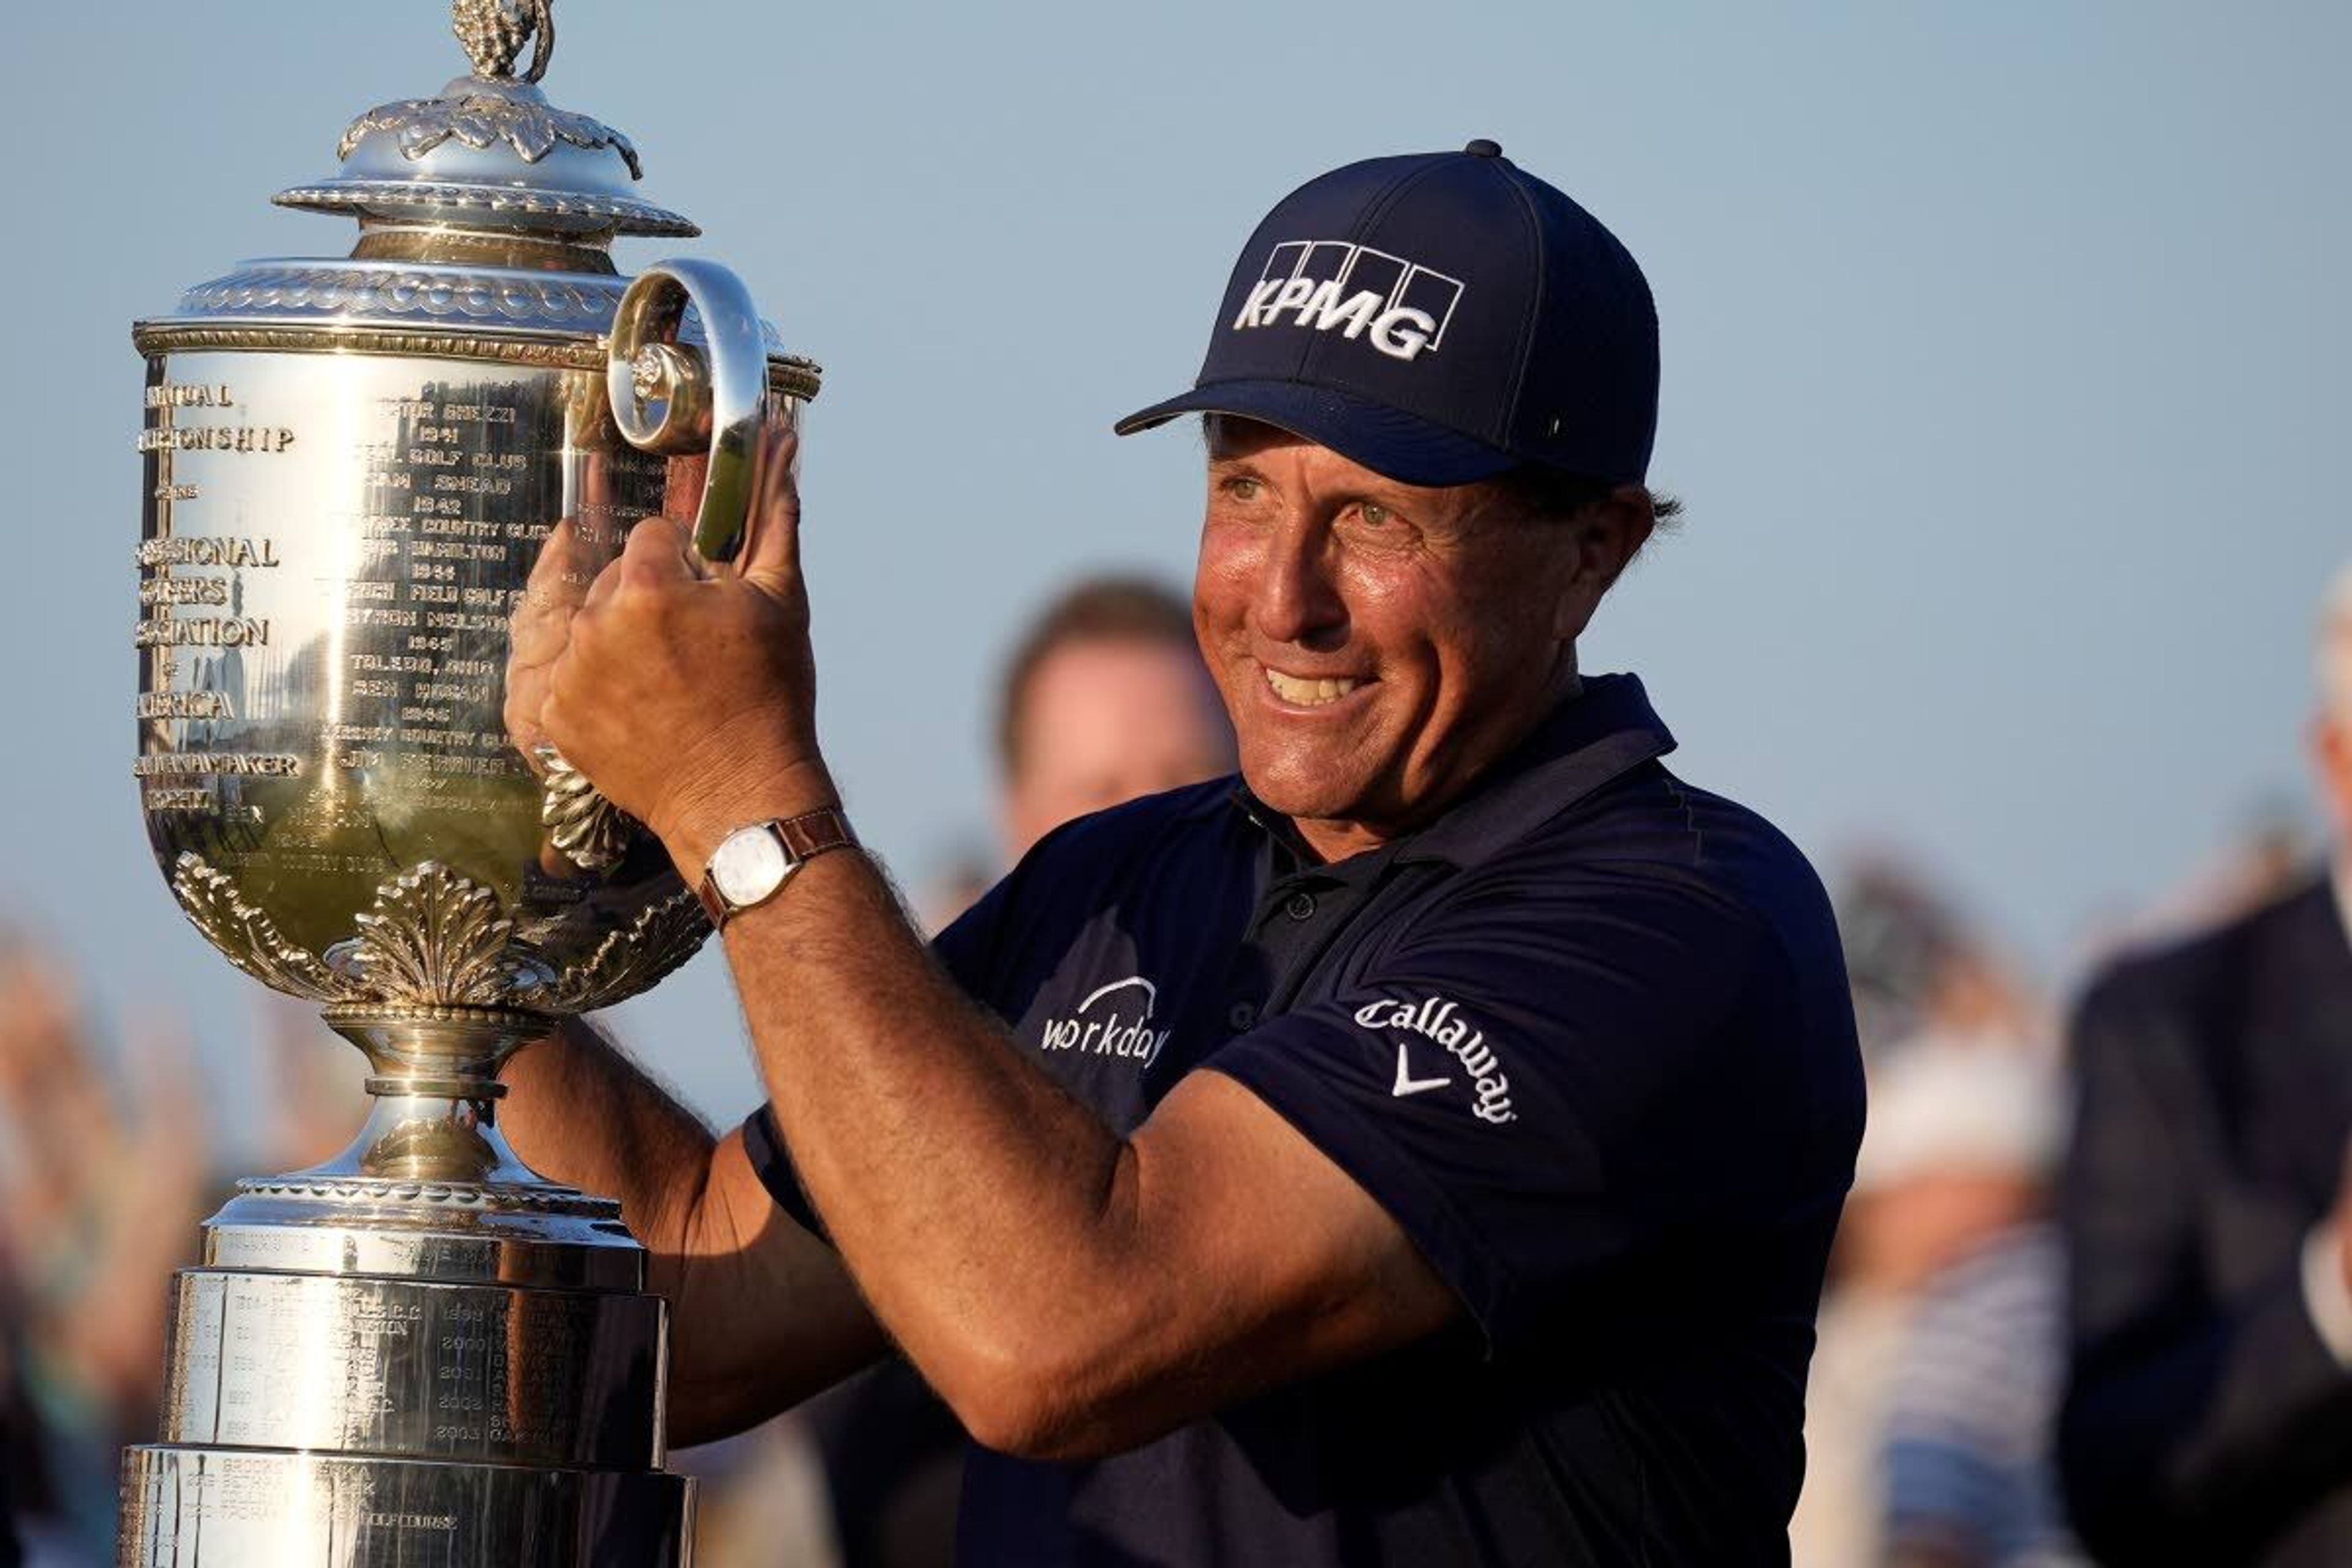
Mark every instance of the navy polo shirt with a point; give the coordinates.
(1587, 1039)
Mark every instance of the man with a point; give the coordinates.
(2207, 1205)
(1426, 1153)
(1104, 700)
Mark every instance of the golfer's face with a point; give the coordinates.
(1377, 644)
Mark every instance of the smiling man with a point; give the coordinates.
(1421, 1150)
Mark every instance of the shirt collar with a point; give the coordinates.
(1606, 730)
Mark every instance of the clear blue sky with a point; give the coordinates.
(2008, 368)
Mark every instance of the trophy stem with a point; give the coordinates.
(435, 1089)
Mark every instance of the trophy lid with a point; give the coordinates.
(491, 154)
(486, 214)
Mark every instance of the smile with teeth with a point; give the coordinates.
(1308, 693)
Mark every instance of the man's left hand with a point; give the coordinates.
(686, 691)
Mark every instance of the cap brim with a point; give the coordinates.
(1402, 446)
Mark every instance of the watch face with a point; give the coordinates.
(748, 866)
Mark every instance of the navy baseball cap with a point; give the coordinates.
(1439, 318)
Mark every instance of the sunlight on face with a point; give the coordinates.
(1379, 643)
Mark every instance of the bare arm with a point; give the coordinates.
(763, 1313)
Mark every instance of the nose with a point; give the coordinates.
(1295, 599)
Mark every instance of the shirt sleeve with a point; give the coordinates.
(1550, 1088)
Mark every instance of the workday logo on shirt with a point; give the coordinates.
(1114, 1020)
(1433, 1018)
(1399, 307)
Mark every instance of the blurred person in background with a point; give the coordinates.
(2210, 1216)
(1918, 971)
(1103, 700)
(312, 1102)
(1938, 1373)
(1951, 1209)
(104, 1175)
(99, 1194)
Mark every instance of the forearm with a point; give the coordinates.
(763, 1313)
(578, 1110)
(983, 1210)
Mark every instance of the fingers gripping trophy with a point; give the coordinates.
(376, 489)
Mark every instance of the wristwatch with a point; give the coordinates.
(752, 864)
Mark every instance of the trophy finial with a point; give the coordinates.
(495, 31)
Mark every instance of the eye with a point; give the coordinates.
(1242, 487)
(1378, 525)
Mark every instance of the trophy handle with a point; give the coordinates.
(667, 399)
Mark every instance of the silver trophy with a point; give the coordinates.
(375, 488)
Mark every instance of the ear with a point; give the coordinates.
(1608, 533)
(1635, 516)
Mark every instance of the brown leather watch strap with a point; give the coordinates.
(803, 838)
(814, 832)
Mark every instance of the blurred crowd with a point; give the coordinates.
(2091, 1269)
(106, 1167)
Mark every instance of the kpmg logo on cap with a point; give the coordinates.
(1401, 307)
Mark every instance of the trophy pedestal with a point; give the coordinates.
(227, 1507)
(369, 1371)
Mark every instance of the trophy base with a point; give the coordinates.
(416, 1356)
(229, 1507)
